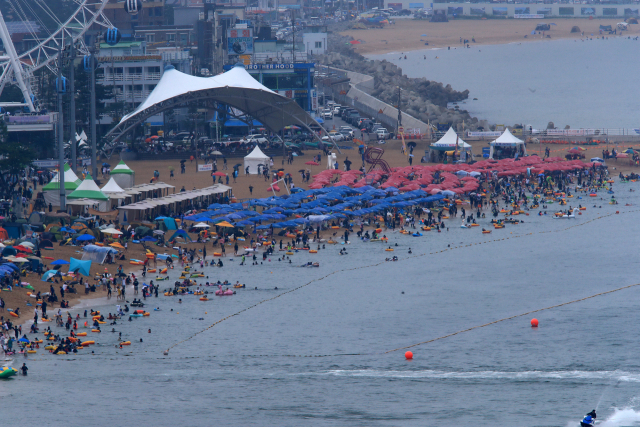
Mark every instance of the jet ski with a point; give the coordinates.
(589, 420)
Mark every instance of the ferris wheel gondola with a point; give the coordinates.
(18, 67)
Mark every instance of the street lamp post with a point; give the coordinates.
(59, 90)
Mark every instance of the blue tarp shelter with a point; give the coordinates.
(79, 266)
(179, 233)
(170, 223)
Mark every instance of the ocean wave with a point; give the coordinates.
(489, 375)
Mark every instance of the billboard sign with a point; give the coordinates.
(240, 41)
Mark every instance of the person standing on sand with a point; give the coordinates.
(251, 189)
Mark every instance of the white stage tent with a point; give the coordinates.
(235, 88)
(507, 140)
(255, 158)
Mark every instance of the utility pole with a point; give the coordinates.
(92, 121)
(72, 107)
(293, 36)
(59, 87)
(399, 111)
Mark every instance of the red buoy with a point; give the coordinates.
(534, 323)
(408, 355)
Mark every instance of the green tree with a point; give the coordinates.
(14, 157)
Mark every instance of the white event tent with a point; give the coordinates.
(507, 140)
(255, 158)
(449, 141)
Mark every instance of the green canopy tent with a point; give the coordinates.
(123, 175)
(88, 193)
(52, 189)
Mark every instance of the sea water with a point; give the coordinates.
(317, 355)
(583, 84)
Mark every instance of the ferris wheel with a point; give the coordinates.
(18, 67)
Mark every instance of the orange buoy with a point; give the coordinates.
(408, 355)
(617, 212)
(534, 323)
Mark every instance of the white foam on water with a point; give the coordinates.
(626, 417)
(622, 417)
(489, 375)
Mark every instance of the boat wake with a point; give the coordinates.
(626, 417)
(490, 375)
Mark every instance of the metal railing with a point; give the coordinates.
(118, 77)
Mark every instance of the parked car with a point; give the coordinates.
(347, 131)
(256, 139)
(382, 133)
(336, 135)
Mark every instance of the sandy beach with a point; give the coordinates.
(241, 190)
(406, 34)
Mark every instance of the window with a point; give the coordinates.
(318, 45)
(158, 11)
(183, 39)
(150, 38)
(150, 12)
(171, 37)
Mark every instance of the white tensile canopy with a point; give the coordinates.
(448, 141)
(255, 158)
(235, 88)
(507, 140)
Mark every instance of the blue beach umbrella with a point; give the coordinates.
(85, 237)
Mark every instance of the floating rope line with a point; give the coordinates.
(166, 352)
(513, 317)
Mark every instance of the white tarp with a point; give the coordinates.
(255, 158)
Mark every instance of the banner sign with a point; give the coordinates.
(527, 16)
(481, 134)
(572, 132)
(23, 120)
(45, 163)
(204, 168)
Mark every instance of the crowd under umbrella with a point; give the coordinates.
(324, 208)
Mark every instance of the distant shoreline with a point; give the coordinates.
(406, 34)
